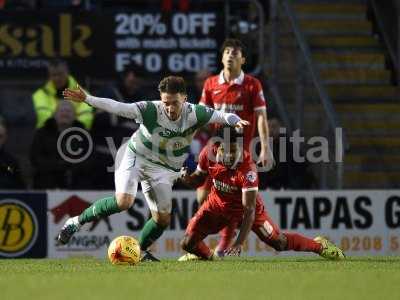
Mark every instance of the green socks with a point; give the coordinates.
(101, 208)
(150, 233)
(108, 206)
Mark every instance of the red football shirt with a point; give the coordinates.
(228, 184)
(244, 96)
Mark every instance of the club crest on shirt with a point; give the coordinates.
(177, 145)
(251, 176)
(166, 133)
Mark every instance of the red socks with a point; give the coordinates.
(298, 242)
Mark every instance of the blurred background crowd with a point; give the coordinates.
(33, 115)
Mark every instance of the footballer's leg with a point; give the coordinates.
(125, 191)
(269, 233)
(207, 220)
(158, 197)
(226, 234)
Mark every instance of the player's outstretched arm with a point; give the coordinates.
(127, 110)
(207, 115)
(228, 119)
(249, 207)
(193, 180)
(78, 95)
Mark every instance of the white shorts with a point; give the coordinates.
(156, 180)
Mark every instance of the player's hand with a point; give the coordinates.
(241, 124)
(266, 159)
(78, 95)
(184, 172)
(235, 250)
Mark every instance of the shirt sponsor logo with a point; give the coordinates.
(229, 107)
(223, 187)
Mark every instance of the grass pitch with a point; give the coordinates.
(270, 278)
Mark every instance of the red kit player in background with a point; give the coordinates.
(234, 91)
(234, 199)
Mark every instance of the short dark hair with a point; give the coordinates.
(234, 134)
(172, 85)
(233, 43)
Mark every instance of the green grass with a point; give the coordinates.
(273, 278)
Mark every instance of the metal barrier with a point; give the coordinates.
(385, 16)
(304, 81)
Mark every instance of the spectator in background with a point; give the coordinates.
(46, 98)
(51, 171)
(130, 86)
(287, 174)
(128, 89)
(10, 177)
(196, 89)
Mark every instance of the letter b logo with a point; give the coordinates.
(18, 228)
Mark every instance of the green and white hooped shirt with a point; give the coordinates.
(159, 139)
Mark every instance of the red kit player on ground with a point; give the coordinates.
(234, 91)
(234, 199)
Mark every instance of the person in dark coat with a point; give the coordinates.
(51, 169)
(10, 174)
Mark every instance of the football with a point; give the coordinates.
(124, 250)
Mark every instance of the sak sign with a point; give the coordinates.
(168, 43)
(28, 40)
(360, 222)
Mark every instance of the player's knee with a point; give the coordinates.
(124, 201)
(162, 219)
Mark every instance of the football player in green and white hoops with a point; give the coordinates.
(154, 155)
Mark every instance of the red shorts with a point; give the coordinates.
(211, 218)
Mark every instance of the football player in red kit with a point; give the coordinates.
(234, 199)
(234, 91)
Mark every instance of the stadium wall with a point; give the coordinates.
(361, 222)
